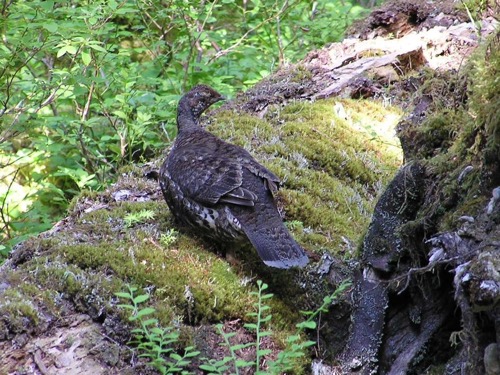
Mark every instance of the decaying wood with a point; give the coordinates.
(339, 69)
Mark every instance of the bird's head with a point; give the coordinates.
(199, 98)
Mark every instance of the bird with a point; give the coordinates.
(221, 191)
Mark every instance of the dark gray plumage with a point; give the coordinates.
(221, 190)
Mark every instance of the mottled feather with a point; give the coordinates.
(220, 189)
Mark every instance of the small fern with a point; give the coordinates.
(157, 343)
(169, 237)
(220, 367)
(261, 316)
(153, 341)
(297, 348)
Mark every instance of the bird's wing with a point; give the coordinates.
(209, 176)
(210, 170)
(271, 181)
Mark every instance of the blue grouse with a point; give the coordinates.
(221, 190)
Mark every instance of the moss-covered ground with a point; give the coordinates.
(333, 157)
(332, 167)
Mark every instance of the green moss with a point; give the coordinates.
(198, 282)
(25, 306)
(181, 269)
(98, 255)
(332, 168)
(86, 194)
(485, 98)
(459, 142)
(243, 130)
(58, 283)
(15, 306)
(300, 74)
(467, 207)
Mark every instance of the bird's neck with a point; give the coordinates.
(186, 119)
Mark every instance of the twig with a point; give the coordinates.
(83, 118)
(4, 201)
(39, 362)
(111, 15)
(278, 32)
(195, 43)
(427, 268)
(87, 104)
(244, 36)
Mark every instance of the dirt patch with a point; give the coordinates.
(77, 347)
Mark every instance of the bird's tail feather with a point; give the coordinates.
(276, 247)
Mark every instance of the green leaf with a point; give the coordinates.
(265, 319)
(208, 368)
(86, 58)
(62, 51)
(50, 27)
(327, 300)
(307, 325)
(124, 295)
(148, 322)
(120, 114)
(71, 49)
(241, 363)
(145, 311)
(241, 346)
(263, 352)
(141, 298)
(251, 326)
(192, 354)
(97, 48)
(293, 338)
(157, 331)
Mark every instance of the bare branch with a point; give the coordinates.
(5, 220)
(224, 52)
(87, 104)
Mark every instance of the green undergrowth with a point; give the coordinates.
(176, 270)
(159, 344)
(90, 261)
